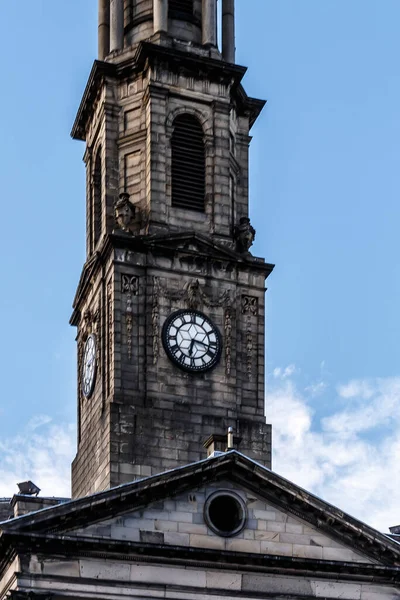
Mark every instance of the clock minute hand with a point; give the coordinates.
(198, 342)
(191, 348)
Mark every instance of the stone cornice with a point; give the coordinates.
(164, 244)
(147, 54)
(99, 71)
(69, 546)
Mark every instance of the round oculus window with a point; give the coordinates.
(225, 513)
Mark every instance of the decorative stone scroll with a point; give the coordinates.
(96, 331)
(155, 319)
(194, 296)
(228, 340)
(80, 359)
(91, 324)
(130, 288)
(250, 310)
(249, 350)
(87, 322)
(109, 332)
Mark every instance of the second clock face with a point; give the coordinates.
(89, 366)
(192, 341)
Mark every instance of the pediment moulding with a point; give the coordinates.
(230, 470)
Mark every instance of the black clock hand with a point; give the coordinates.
(191, 348)
(202, 343)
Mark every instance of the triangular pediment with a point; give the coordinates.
(193, 243)
(167, 510)
(188, 243)
(184, 520)
(196, 247)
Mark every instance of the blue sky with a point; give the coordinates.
(325, 190)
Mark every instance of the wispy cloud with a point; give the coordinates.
(42, 452)
(356, 389)
(284, 373)
(350, 458)
(316, 389)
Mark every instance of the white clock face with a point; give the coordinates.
(192, 341)
(89, 366)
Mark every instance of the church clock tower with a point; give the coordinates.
(170, 305)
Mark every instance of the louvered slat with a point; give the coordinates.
(188, 163)
(180, 9)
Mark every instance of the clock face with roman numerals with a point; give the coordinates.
(192, 341)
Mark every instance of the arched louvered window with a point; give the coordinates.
(128, 12)
(180, 9)
(188, 163)
(97, 194)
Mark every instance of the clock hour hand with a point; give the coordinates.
(191, 348)
(198, 342)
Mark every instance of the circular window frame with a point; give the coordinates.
(212, 526)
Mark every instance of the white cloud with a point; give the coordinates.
(316, 389)
(356, 388)
(350, 458)
(41, 452)
(288, 371)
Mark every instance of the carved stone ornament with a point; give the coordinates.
(123, 255)
(155, 319)
(96, 331)
(250, 305)
(194, 297)
(124, 213)
(87, 321)
(228, 340)
(194, 294)
(130, 287)
(80, 360)
(110, 314)
(250, 309)
(91, 321)
(244, 235)
(249, 349)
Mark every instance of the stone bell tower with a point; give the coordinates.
(170, 305)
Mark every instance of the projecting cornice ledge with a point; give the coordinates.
(127, 551)
(177, 61)
(99, 71)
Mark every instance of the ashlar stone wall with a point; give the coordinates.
(180, 521)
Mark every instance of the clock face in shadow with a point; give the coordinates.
(89, 366)
(192, 341)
